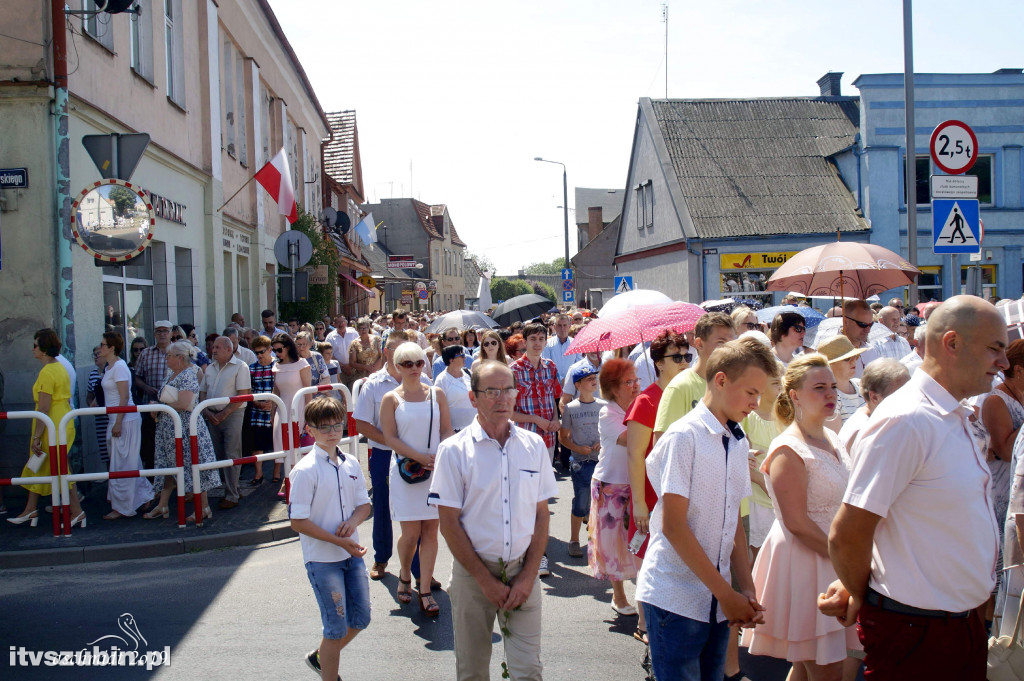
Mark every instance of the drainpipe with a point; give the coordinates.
(65, 305)
(857, 153)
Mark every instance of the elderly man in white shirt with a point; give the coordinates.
(491, 484)
(340, 338)
(556, 346)
(244, 354)
(226, 376)
(915, 542)
(891, 345)
(913, 359)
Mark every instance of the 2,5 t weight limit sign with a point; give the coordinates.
(954, 147)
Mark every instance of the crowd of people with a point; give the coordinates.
(765, 490)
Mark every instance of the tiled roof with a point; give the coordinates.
(339, 152)
(425, 214)
(761, 166)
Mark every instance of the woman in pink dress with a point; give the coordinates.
(291, 373)
(806, 471)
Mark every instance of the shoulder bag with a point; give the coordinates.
(412, 471)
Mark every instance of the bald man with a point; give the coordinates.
(891, 345)
(915, 542)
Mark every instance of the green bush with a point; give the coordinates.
(503, 289)
(320, 296)
(542, 289)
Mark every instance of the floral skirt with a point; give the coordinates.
(607, 530)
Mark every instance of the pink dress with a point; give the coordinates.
(288, 381)
(789, 576)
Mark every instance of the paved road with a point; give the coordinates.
(250, 612)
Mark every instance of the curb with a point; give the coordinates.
(147, 549)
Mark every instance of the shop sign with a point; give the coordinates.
(754, 261)
(167, 209)
(236, 241)
(319, 275)
(407, 296)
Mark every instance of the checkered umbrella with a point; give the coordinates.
(634, 325)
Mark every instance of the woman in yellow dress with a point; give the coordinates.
(52, 396)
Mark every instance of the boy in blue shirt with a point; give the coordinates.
(328, 502)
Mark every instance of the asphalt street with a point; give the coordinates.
(249, 612)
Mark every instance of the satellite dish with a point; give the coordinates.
(328, 216)
(343, 223)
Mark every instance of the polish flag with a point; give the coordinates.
(277, 180)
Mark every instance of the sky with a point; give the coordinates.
(455, 99)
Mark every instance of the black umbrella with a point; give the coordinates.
(460, 319)
(521, 308)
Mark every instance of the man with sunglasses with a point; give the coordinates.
(450, 338)
(857, 322)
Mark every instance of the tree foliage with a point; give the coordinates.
(554, 267)
(503, 289)
(320, 295)
(124, 199)
(542, 289)
(482, 261)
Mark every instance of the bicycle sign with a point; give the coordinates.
(954, 147)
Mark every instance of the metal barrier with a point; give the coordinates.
(353, 440)
(51, 479)
(197, 467)
(357, 387)
(178, 471)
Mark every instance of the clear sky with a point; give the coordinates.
(454, 99)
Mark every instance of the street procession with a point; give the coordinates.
(750, 415)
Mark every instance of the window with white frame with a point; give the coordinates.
(98, 25)
(266, 124)
(228, 100)
(292, 147)
(644, 199)
(241, 135)
(174, 52)
(140, 28)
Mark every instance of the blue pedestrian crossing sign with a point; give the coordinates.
(956, 226)
(568, 296)
(623, 284)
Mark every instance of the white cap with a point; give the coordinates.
(163, 324)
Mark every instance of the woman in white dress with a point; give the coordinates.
(414, 419)
(454, 381)
(124, 432)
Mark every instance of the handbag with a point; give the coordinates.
(412, 471)
(1006, 655)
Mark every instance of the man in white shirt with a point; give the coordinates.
(913, 359)
(340, 338)
(857, 322)
(556, 346)
(245, 354)
(915, 542)
(491, 486)
(892, 345)
(226, 376)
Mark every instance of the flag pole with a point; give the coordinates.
(235, 194)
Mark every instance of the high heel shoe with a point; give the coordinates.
(157, 512)
(32, 519)
(207, 513)
(79, 519)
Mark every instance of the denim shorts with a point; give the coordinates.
(581, 473)
(342, 591)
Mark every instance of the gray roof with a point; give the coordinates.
(761, 166)
(610, 201)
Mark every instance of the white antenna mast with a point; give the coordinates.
(664, 17)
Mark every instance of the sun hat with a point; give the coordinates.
(837, 348)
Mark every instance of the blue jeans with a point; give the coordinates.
(683, 649)
(342, 591)
(383, 537)
(581, 472)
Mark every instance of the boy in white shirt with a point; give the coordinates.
(684, 583)
(328, 502)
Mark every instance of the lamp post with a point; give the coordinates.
(565, 202)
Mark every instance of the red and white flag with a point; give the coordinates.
(277, 180)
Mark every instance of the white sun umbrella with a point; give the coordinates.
(870, 299)
(834, 325)
(631, 299)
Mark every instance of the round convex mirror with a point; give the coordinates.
(112, 220)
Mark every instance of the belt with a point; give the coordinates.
(890, 605)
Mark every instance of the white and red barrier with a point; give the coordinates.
(65, 479)
(297, 450)
(52, 478)
(197, 467)
(357, 387)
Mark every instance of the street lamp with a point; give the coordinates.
(565, 202)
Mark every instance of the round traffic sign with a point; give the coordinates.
(953, 147)
(420, 286)
(423, 295)
(567, 284)
(298, 242)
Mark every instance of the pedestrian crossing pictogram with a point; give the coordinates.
(955, 226)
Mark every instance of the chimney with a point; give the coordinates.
(595, 222)
(829, 84)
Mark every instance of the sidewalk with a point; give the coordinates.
(260, 517)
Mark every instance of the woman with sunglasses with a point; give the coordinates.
(787, 335)
(319, 332)
(414, 419)
(515, 347)
(364, 353)
(192, 336)
(259, 430)
(671, 355)
(744, 319)
(491, 346)
(291, 373)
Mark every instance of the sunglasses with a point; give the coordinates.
(753, 326)
(278, 351)
(679, 357)
(799, 328)
(863, 325)
(175, 339)
(330, 428)
(262, 352)
(453, 340)
(489, 343)
(410, 364)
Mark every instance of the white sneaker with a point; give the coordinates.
(543, 571)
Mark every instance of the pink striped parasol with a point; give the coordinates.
(635, 325)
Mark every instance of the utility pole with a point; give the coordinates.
(62, 238)
(911, 175)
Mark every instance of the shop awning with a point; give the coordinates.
(355, 281)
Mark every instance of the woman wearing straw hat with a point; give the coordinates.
(842, 360)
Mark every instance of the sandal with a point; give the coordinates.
(640, 635)
(276, 479)
(432, 609)
(404, 595)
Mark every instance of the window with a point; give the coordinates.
(929, 283)
(183, 285)
(985, 274)
(924, 170)
(982, 169)
(644, 195)
(240, 127)
(228, 100)
(98, 26)
(174, 53)
(266, 123)
(292, 146)
(140, 27)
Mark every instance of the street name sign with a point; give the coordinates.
(14, 178)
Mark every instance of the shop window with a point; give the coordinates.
(140, 27)
(128, 299)
(987, 274)
(745, 275)
(929, 283)
(924, 169)
(98, 26)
